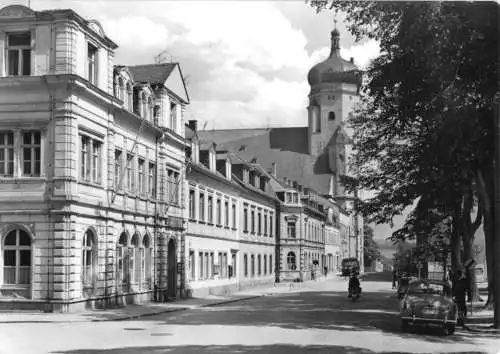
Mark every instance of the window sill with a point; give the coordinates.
(5, 179)
(90, 184)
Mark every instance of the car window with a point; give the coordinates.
(429, 288)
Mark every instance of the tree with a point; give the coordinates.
(425, 125)
(371, 249)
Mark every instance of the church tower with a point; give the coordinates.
(334, 91)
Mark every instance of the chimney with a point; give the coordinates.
(193, 125)
(352, 60)
(273, 171)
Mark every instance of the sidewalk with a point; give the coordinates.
(151, 309)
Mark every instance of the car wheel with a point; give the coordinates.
(404, 325)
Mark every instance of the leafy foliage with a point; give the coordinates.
(371, 249)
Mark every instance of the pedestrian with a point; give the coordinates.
(394, 278)
(460, 288)
(325, 270)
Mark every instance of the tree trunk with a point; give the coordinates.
(456, 262)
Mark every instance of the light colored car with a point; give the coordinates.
(429, 302)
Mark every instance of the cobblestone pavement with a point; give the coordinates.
(317, 318)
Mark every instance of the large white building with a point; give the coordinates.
(231, 235)
(91, 160)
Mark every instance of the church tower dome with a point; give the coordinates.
(334, 69)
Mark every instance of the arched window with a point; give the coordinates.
(245, 265)
(121, 89)
(290, 261)
(265, 264)
(156, 114)
(143, 105)
(147, 265)
(331, 116)
(135, 259)
(130, 94)
(89, 253)
(150, 108)
(17, 258)
(122, 275)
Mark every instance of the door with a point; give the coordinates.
(172, 270)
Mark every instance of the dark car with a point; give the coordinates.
(349, 265)
(429, 302)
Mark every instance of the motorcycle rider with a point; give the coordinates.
(353, 283)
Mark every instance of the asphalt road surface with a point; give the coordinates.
(319, 319)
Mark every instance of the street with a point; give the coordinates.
(318, 319)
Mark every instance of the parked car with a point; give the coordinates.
(429, 302)
(349, 265)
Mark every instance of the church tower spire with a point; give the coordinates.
(335, 39)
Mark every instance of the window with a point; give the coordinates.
(173, 116)
(31, 153)
(88, 255)
(130, 173)
(191, 204)
(265, 264)
(142, 175)
(18, 54)
(290, 261)
(210, 209)
(259, 273)
(192, 266)
(143, 105)
(271, 224)
(259, 223)
(331, 116)
(245, 265)
(6, 154)
(135, 260)
(92, 63)
(17, 258)
(270, 264)
(148, 262)
(122, 270)
(173, 187)
(291, 230)
(252, 220)
(90, 163)
(253, 265)
(152, 180)
(221, 266)
(201, 211)
(245, 219)
(212, 265)
(118, 168)
(219, 213)
(234, 216)
(206, 269)
(226, 214)
(200, 264)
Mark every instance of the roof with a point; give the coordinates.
(152, 73)
(287, 147)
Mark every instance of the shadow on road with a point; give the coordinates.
(377, 277)
(234, 349)
(323, 310)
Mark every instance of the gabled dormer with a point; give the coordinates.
(224, 165)
(212, 158)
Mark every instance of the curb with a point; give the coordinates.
(149, 314)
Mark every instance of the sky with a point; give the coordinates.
(245, 62)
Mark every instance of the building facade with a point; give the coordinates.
(230, 239)
(91, 159)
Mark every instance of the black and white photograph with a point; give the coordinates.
(249, 176)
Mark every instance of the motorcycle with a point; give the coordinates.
(355, 293)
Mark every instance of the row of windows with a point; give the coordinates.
(203, 211)
(208, 268)
(262, 265)
(138, 176)
(260, 222)
(312, 232)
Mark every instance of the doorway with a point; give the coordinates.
(172, 270)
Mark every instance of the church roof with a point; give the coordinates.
(286, 147)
